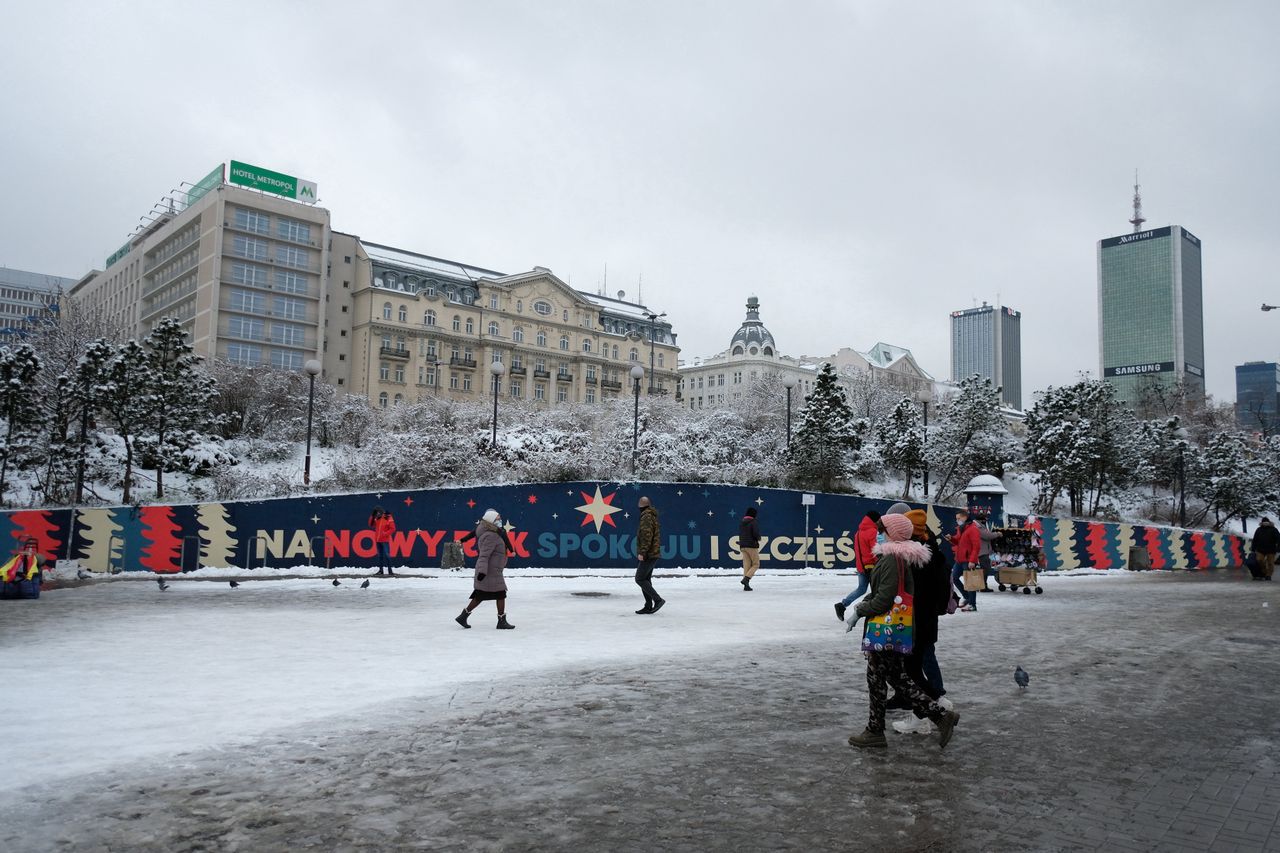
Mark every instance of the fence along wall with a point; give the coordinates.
(556, 525)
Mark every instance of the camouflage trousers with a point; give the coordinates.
(885, 668)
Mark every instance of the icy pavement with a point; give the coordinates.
(292, 715)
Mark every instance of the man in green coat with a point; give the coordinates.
(648, 548)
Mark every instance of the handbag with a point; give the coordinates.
(974, 580)
(893, 631)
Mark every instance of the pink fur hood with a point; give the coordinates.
(911, 552)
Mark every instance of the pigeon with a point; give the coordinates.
(234, 584)
(81, 574)
(365, 585)
(160, 582)
(1020, 676)
(335, 582)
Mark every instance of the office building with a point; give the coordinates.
(25, 297)
(987, 341)
(1258, 397)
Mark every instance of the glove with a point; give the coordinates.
(853, 620)
(480, 576)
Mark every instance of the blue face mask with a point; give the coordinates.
(880, 537)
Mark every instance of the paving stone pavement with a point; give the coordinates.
(1150, 724)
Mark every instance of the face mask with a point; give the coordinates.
(880, 537)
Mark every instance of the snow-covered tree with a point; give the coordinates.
(902, 441)
(122, 396)
(825, 448)
(23, 416)
(972, 436)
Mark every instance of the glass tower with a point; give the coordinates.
(1258, 397)
(988, 341)
(1150, 310)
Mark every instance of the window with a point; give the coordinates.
(471, 326)
(561, 395)
(291, 229)
(422, 373)
(466, 382)
(289, 309)
(382, 399)
(591, 373)
(542, 339)
(455, 353)
(400, 373)
(244, 354)
(247, 247)
(431, 288)
(399, 399)
(517, 335)
(248, 301)
(467, 354)
(346, 259)
(540, 365)
(562, 369)
(243, 327)
(400, 347)
(390, 280)
(403, 314)
(497, 358)
(564, 342)
(384, 371)
(291, 282)
(453, 380)
(519, 305)
(386, 310)
(292, 256)
(252, 220)
(457, 323)
(429, 318)
(516, 361)
(493, 301)
(737, 350)
(285, 359)
(515, 389)
(493, 330)
(431, 375)
(591, 395)
(539, 392)
(453, 295)
(386, 342)
(566, 315)
(660, 360)
(615, 351)
(431, 349)
(287, 333)
(634, 355)
(249, 274)
(542, 307)
(586, 345)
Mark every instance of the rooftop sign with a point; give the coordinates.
(1125, 239)
(276, 183)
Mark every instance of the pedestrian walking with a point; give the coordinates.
(749, 545)
(985, 537)
(891, 586)
(932, 594)
(1266, 541)
(864, 539)
(383, 525)
(648, 549)
(492, 546)
(965, 543)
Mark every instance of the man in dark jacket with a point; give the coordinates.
(648, 549)
(749, 545)
(1266, 540)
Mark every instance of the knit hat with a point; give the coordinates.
(920, 521)
(491, 516)
(897, 526)
(899, 508)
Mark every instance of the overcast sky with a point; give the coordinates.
(863, 167)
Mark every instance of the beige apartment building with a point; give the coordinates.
(258, 277)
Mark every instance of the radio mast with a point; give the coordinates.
(1137, 220)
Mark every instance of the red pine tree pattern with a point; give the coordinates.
(1200, 550)
(1154, 551)
(163, 554)
(36, 524)
(1095, 545)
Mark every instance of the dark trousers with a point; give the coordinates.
(915, 667)
(384, 555)
(644, 579)
(885, 668)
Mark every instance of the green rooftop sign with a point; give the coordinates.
(267, 181)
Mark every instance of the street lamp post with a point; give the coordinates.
(924, 447)
(497, 369)
(1182, 436)
(637, 373)
(84, 439)
(653, 319)
(312, 367)
(789, 382)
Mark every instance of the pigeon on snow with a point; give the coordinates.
(1020, 676)
(234, 584)
(365, 585)
(335, 582)
(81, 574)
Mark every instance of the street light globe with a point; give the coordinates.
(312, 366)
(789, 382)
(497, 368)
(637, 372)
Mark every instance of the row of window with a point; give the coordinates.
(260, 223)
(251, 355)
(259, 250)
(253, 329)
(253, 302)
(256, 276)
(516, 392)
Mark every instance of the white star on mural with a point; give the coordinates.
(315, 519)
(598, 509)
(818, 529)
(555, 515)
(709, 512)
(679, 491)
(759, 501)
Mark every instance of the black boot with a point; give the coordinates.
(657, 605)
(391, 572)
(648, 608)
(746, 584)
(461, 619)
(379, 571)
(503, 624)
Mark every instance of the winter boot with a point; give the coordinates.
(391, 572)
(746, 584)
(379, 571)
(946, 726)
(840, 611)
(503, 624)
(868, 738)
(657, 605)
(647, 609)
(461, 619)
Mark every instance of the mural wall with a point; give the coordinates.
(557, 525)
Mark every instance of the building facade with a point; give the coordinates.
(987, 341)
(1151, 310)
(1258, 397)
(25, 297)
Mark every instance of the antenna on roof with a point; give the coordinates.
(640, 289)
(1137, 220)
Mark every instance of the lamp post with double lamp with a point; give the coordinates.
(497, 369)
(789, 382)
(312, 367)
(637, 373)
(1182, 435)
(924, 443)
(653, 319)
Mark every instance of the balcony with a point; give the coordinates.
(455, 361)
(591, 380)
(562, 376)
(611, 383)
(517, 371)
(541, 374)
(393, 352)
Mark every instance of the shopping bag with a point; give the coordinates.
(893, 631)
(974, 580)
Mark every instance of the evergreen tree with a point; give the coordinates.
(972, 436)
(902, 441)
(23, 417)
(178, 399)
(825, 448)
(122, 395)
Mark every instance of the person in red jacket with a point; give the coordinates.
(864, 539)
(965, 544)
(383, 526)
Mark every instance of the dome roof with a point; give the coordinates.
(752, 333)
(985, 484)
